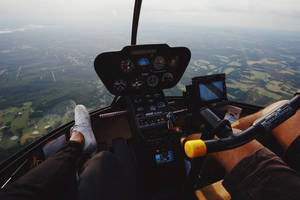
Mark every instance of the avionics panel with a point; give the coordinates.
(209, 89)
(165, 157)
(142, 68)
(159, 153)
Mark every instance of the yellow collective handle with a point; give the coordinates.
(195, 148)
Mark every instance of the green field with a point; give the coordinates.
(40, 85)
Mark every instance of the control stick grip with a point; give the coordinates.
(198, 148)
(210, 118)
(195, 148)
(221, 128)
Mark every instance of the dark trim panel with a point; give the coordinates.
(27, 151)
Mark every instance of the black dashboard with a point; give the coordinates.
(139, 74)
(142, 68)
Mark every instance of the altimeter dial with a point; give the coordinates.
(152, 80)
(137, 84)
(167, 77)
(159, 63)
(119, 85)
(126, 65)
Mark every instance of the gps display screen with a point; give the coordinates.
(164, 157)
(211, 91)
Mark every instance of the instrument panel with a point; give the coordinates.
(142, 68)
(150, 110)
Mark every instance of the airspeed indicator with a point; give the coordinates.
(126, 66)
(119, 85)
(159, 63)
(152, 81)
(167, 77)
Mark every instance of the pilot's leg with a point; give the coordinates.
(254, 172)
(287, 134)
(103, 179)
(288, 131)
(247, 121)
(55, 178)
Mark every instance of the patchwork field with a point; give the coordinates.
(43, 75)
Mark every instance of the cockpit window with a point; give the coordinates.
(47, 51)
(256, 43)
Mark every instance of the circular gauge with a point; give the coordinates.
(157, 95)
(161, 104)
(148, 96)
(137, 84)
(138, 100)
(126, 66)
(159, 63)
(152, 108)
(167, 77)
(119, 85)
(173, 62)
(151, 100)
(152, 80)
(140, 109)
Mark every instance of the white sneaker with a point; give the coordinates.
(83, 125)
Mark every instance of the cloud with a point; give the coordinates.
(280, 14)
(269, 14)
(7, 31)
(21, 29)
(114, 12)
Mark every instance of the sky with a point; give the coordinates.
(265, 14)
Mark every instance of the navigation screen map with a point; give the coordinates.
(164, 157)
(211, 91)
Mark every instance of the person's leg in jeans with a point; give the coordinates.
(287, 134)
(254, 172)
(55, 178)
(103, 178)
(52, 179)
(263, 173)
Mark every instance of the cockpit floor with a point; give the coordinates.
(214, 191)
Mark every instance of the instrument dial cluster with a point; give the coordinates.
(142, 68)
(149, 102)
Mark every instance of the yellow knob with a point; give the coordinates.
(195, 148)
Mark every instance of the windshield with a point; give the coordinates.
(256, 43)
(47, 49)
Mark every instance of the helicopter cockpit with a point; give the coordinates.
(139, 74)
(147, 129)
